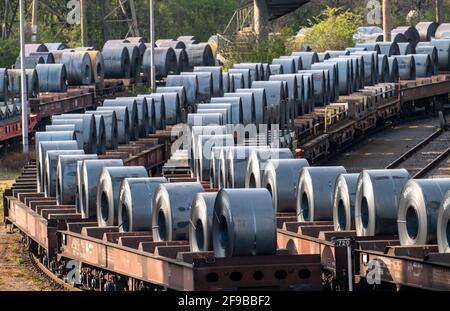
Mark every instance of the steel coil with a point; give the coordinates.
(98, 66)
(205, 85)
(59, 128)
(443, 48)
(344, 202)
(383, 68)
(288, 65)
(200, 229)
(4, 84)
(55, 46)
(88, 184)
(226, 82)
(160, 109)
(196, 131)
(78, 67)
(280, 177)
(172, 205)
(14, 82)
(172, 108)
(217, 81)
(225, 112)
(46, 56)
(214, 167)
(257, 161)
(443, 225)
(182, 60)
(117, 62)
(165, 62)
(178, 89)
(293, 95)
(308, 90)
(108, 192)
(170, 43)
(204, 119)
(136, 203)
(358, 70)
(260, 103)
(345, 69)
(315, 192)
(255, 70)
(377, 197)
(246, 75)
(189, 39)
(266, 72)
(140, 43)
(133, 116)
(30, 61)
(389, 48)
(66, 177)
(236, 81)
(200, 55)
(111, 130)
(370, 60)
(333, 69)
(276, 69)
(426, 30)
(297, 61)
(372, 46)
(423, 64)
(205, 143)
(237, 113)
(50, 169)
(190, 84)
(356, 49)
(142, 114)
(123, 122)
(418, 210)
(432, 52)
(335, 54)
(406, 48)
(86, 129)
(52, 77)
(44, 147)
(135, 60)
(100, 128)
(115, 42)
(248, 106)
(308, 59)
(323, 56)
(442, 32)
(406, 67)
(319, 79)
(244, 223)
(236, 165)
(394, 73)
(33, 48)
(275, 100)
(410, 34)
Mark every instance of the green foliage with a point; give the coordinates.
(248, 49)
(9, 50)
(333, 29)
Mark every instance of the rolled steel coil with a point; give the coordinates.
(356, 49)
(335, 54)
(136, 203)
(44, 147)
(288, 65)
(394, 73)
(260, 103)
(370, 66)
(160, 109)
(142, 114)
(133, 116)
(55, 46)
(98, 66)
(411, 34)
(86, 129)
(182, 60)
(30, 61)
(281, 179)
(47, 56)
(200, 55)
(205, 143)
(308, 58)
(443, 225)
(224, 109)
(246, 75)
(377, 197)
(383, 68)
(111, 130)
(418, 210)
(201, 219)
(66, 177)
(432, 52)
(276, 69)
(344, 202)
(78, 67)
(248, 106)
(117, 62)
(308, 90)
(204, 119)
(172, 108)
(59, 128)
(443, 48)
(226, 82)
(50, 169)
(323, 56)
(293, 94)
(100, 128)
(236, 81)
(237, 113)
(255, 70)
(205, 84)
(345, 69)
(358, 70)
(88, 183)
(108, 192)
(333, 69)
(47, 136)
(257, 161)
(123, 122)
(243, 223)
(372, 46)
(115, 42)
(52, 77)
(426, 30)
(165, 62)
(196, 131)
(33, 48)
(57, 55)
(178, 89)
(189, 39)
(214, 167)
(190, 84)
(407, 48)
(275, 99)
(14, 84)
(406, 67)
(266, 72)
(171, 210)
(236, 164)
(297, 61)
(319, 85)
(217, 80)
(423, 64)
(170, 43)
(315, 192)
(442, 32)
(140, 43)
(4, 84)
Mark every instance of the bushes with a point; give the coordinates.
(333, 29)
(9, 50)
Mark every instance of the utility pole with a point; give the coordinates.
(23, 81)
(260, 18)
(387, 20)
(34, 21)
(439, 11)
(152, 48)
(84, 34)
